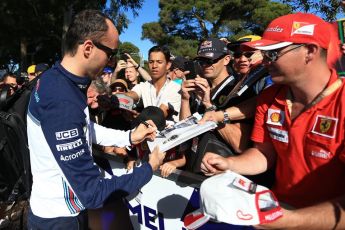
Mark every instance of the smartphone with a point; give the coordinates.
(192, 67)
(124, 57)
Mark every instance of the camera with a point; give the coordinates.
(194, 69)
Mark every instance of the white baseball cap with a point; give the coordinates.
(233, 199)
(125, 102)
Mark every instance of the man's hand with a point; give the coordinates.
(214, 164)
(216, 116)
(286, 221)
(143, 132)
(130, 61)
(167, 168)
(203, 91)
(156, 158)
(121, 64)
(187, 87)
(112, 150)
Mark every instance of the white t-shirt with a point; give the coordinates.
(168, 95)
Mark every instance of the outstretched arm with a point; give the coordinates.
(140, 69)
(326, 215)
(241, 111)
(251, 162)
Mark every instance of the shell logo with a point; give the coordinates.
(275, 117)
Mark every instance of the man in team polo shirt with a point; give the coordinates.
(299, 126)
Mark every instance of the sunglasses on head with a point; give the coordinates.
(208, 62)
(108, 51)
(240, 54)
(273, 55)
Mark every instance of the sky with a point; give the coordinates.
(148, 13)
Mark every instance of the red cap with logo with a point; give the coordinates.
(296, 28)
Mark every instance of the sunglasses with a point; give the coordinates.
(118, 89)
(111, 53)
(208, 62)
(246, 54)
(273, 55)
(13, 86)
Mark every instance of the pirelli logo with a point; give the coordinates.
(69, 146)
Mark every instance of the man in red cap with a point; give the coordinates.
(299, 125)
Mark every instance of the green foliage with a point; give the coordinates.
(327, 9)
(32, 29)
(119, 9)
(131, 49)
(182, 24)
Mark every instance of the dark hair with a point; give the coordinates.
(88, 24)
(323, 53)
(162, 49)
(153, 113)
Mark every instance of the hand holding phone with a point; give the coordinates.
(193, 68)
(124, 57)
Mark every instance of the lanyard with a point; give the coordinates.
(324, 93)
(222, 86)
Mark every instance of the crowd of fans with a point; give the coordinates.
(230, 82)
(166, 85)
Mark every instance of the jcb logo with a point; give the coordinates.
(63, 135)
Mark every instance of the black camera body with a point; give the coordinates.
(194, 69)
(124, 57)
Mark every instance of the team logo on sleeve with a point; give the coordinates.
(69, 146)
(325, 126)
(275, 117)
(66, 134)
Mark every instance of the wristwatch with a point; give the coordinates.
(226, 119)
(137, 67)
(211, 108)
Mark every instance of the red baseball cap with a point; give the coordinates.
(293, 28)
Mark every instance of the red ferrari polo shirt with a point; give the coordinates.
(310, 149)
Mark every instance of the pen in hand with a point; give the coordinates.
(146, 124)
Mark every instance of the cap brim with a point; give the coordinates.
(112, 86)
(264, 44)
(209, 56)
(195, 219)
